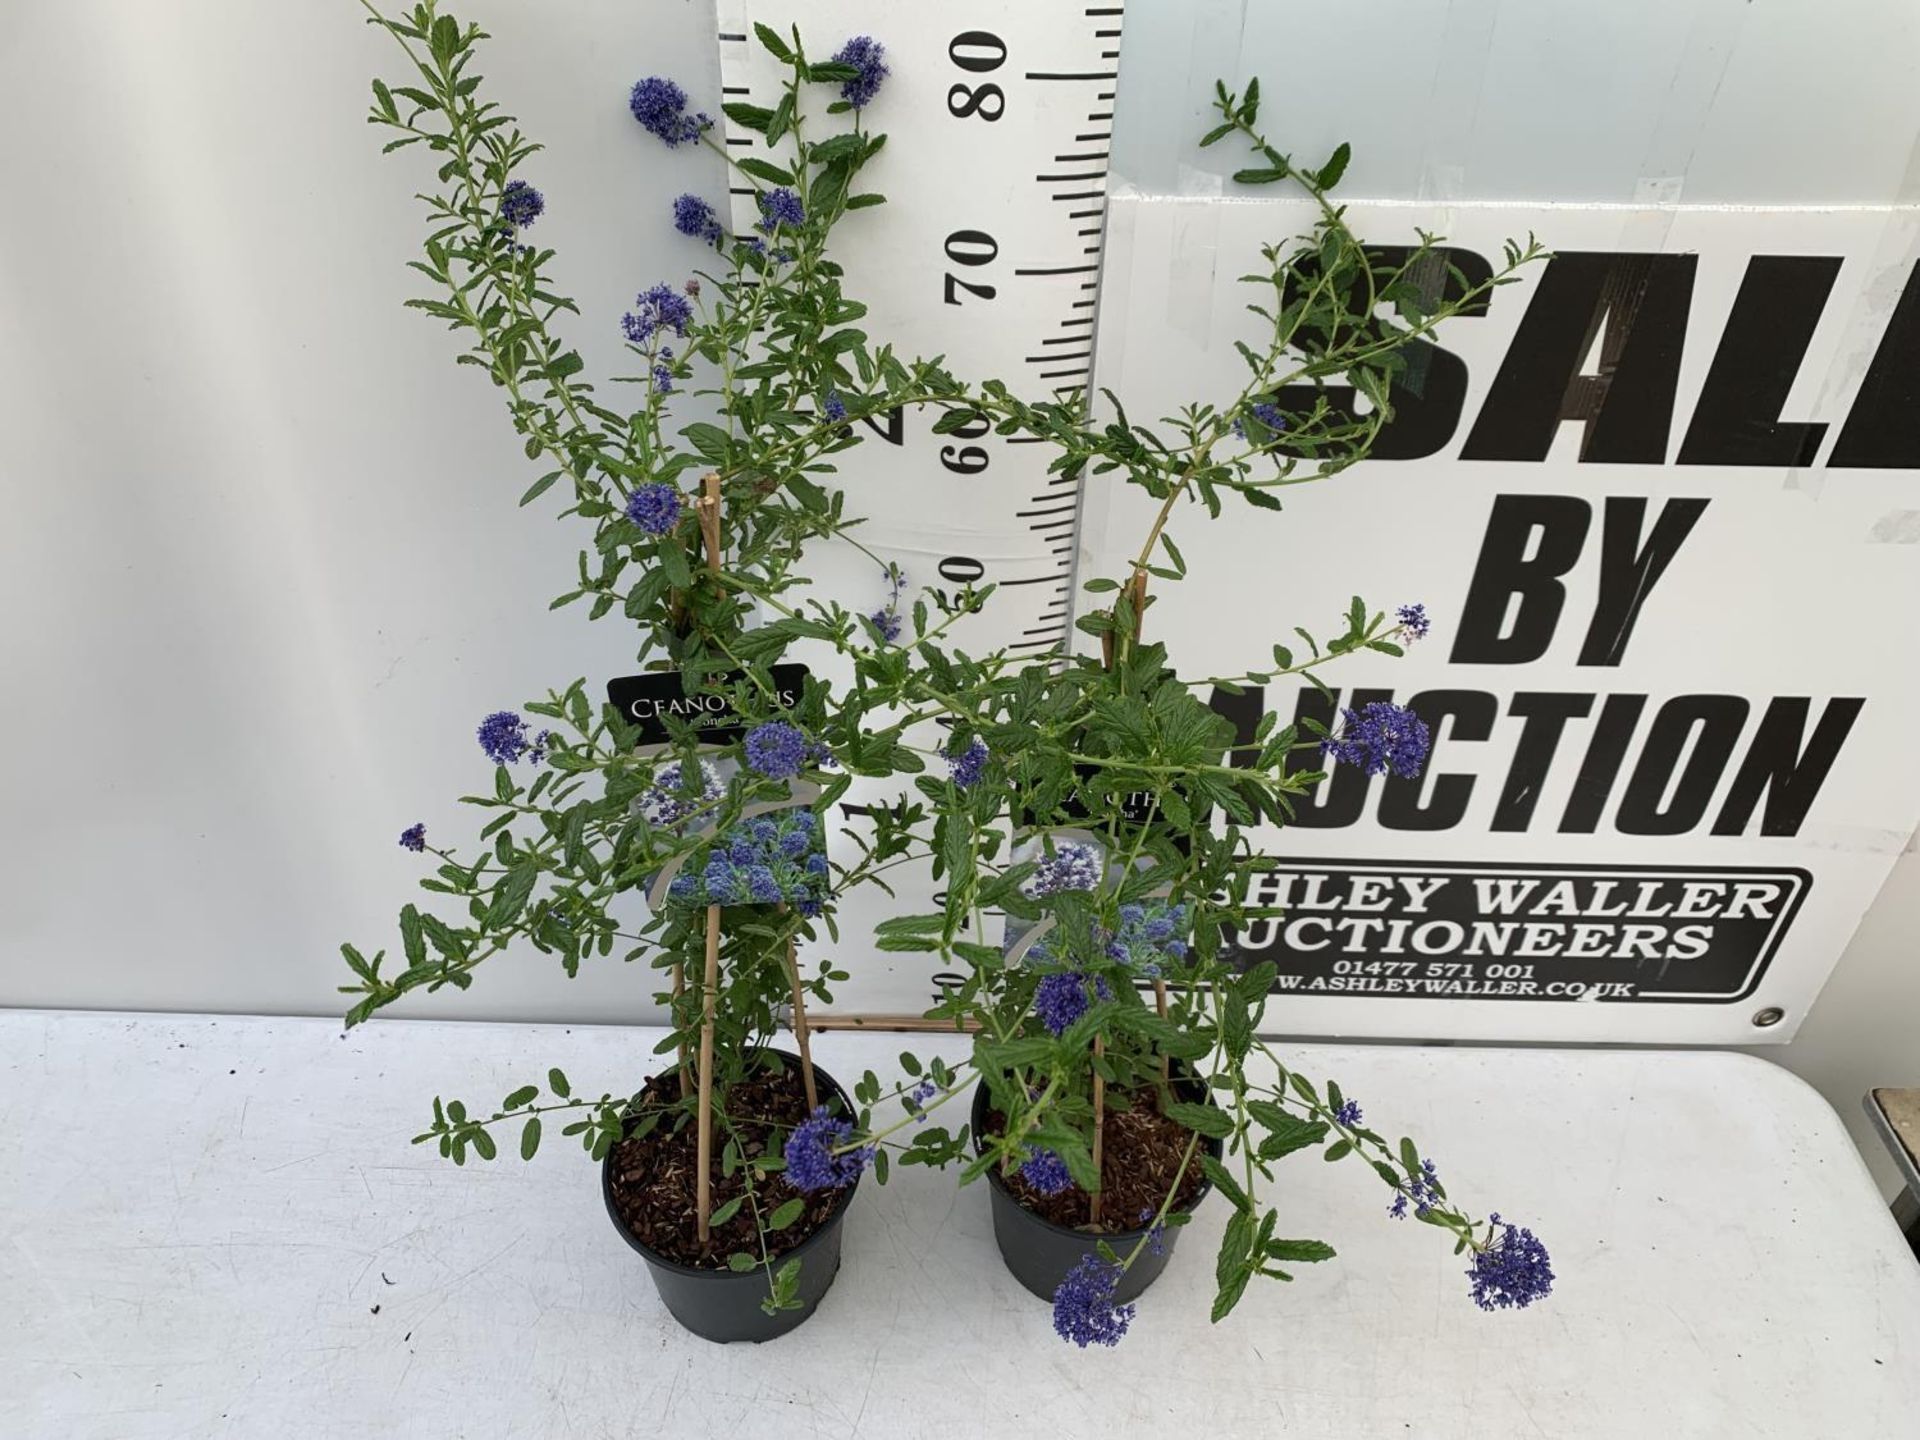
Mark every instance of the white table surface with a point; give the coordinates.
(202, 1214)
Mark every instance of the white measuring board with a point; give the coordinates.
(999, 125)
(999, 119)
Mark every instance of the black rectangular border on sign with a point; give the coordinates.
(1802, 878)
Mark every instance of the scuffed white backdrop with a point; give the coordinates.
(261, 571)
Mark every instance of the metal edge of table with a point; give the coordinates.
(1896, 1147)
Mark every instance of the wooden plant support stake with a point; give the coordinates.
(1136, 593)
(800, 1029)
(705, 1148)
(679, 1021)
(709, 507)
(917, 1024)
(1099, 1126)
(1160, 1004)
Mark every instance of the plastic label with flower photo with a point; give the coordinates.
(1064, 861)
(778, 857)
(775, 855)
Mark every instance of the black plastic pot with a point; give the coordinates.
(724, 1305)
(1040, 1253)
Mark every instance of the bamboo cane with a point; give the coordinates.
(1160, 1004)
(679, 1021)
(799, 1026)
(709, 507)
(919, 1024)
(705, 1144)
(1099, 1128)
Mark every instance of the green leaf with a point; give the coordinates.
(1308, 1252)
(776, 47)
(1207, 1120)
(1249, 110)
(1229, 1295)
(444, 39)
(530, 1137)
(525, 1095)
(510, 896)
(709, 440)
(1286, 1133)
(1339, 1150)
(748, 117)
(740, 1262)
(557, 1083)
(840, 147)
(1224, 1182)
(781, 120)
(862, 202)
(786, 1214)
(1258, 177)
(1331, 172)
(726, 1212)
(764, 170)
(412, 940)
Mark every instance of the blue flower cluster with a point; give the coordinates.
(414, 838)
(1349, 1114)
(1157, 1236)
(887, 618)
(812, 1163)
(915, 1099)
(694, 216)
(1062, 998)
(655, 508)
(777, 750)
(970, 764)
(1269, 416)
(667, 802)
(655, 310)
(1414, 623)
(521, 204)
(503, 735)
(661, 108)
(772, 859)
(1382, 738)
(1071, 866)
(663, 371)
(780, 206)
(1045, 1171)
(868, 56)
(759, 247)
(1151, 937)
(833, 407)
(1083, 1307)
(1512, 1271)
(1423, 1190)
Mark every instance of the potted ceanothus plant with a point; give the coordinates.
(702, 783)
(1109, 812)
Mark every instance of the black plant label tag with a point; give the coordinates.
(1138, 807)
(648, 701)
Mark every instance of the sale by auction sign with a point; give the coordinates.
(1662, 500)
